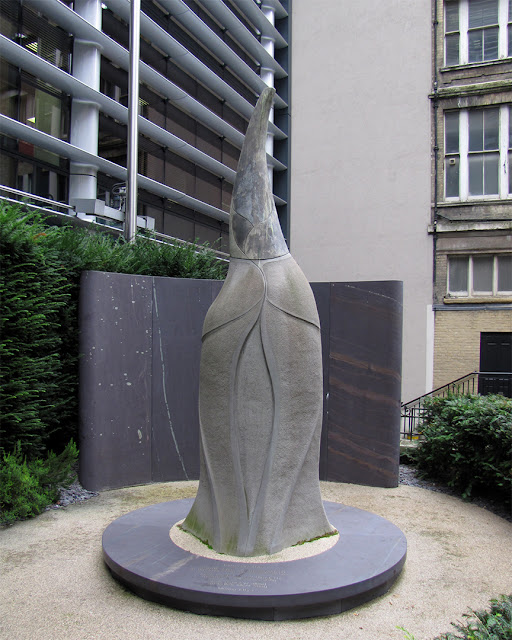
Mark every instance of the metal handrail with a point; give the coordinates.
(413, 411)
(30, 196)
(441, 388)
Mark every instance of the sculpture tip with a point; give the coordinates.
(255, 232)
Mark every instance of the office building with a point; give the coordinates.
(64, 101)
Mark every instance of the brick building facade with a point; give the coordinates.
(472, 185)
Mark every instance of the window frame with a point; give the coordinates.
(464, 153)
(504, 26)
(470, 291)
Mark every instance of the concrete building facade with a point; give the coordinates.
(360, 158)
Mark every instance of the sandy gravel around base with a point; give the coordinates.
(54, 585)
(192, 544)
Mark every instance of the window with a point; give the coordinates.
(480, 275)
(478, 153)
(477, 30)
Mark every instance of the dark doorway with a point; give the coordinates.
(495, 361)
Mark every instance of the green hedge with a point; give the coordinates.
(468, 445)
(34, 292)
(40, 268)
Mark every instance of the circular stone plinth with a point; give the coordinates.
(362, 565)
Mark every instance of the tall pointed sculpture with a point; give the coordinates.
(260, 397)
(260, 408)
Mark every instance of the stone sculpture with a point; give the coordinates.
(260, 397)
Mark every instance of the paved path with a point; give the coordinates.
(55, 586)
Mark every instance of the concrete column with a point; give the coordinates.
(85, 115)
(267, 75)
(130, 216)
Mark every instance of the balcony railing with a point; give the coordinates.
(483, 382)
(31, 201)
(68, 212)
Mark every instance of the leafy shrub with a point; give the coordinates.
(495, 624)
(57, 470)
(407, 455)
(28, 487)
(40, 268)
(468, 444)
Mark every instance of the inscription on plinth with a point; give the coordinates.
(240, 580)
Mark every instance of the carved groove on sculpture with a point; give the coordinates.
(260, 394)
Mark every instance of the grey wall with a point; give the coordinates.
(140, 346)
(360, 155)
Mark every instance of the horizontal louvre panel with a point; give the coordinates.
(49, 42)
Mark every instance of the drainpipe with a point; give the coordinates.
(130, 216)
(267, 75)
(85, 114)
(435, 102)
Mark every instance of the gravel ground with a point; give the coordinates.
(74, 493)
(55, 585)
(408, 476)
